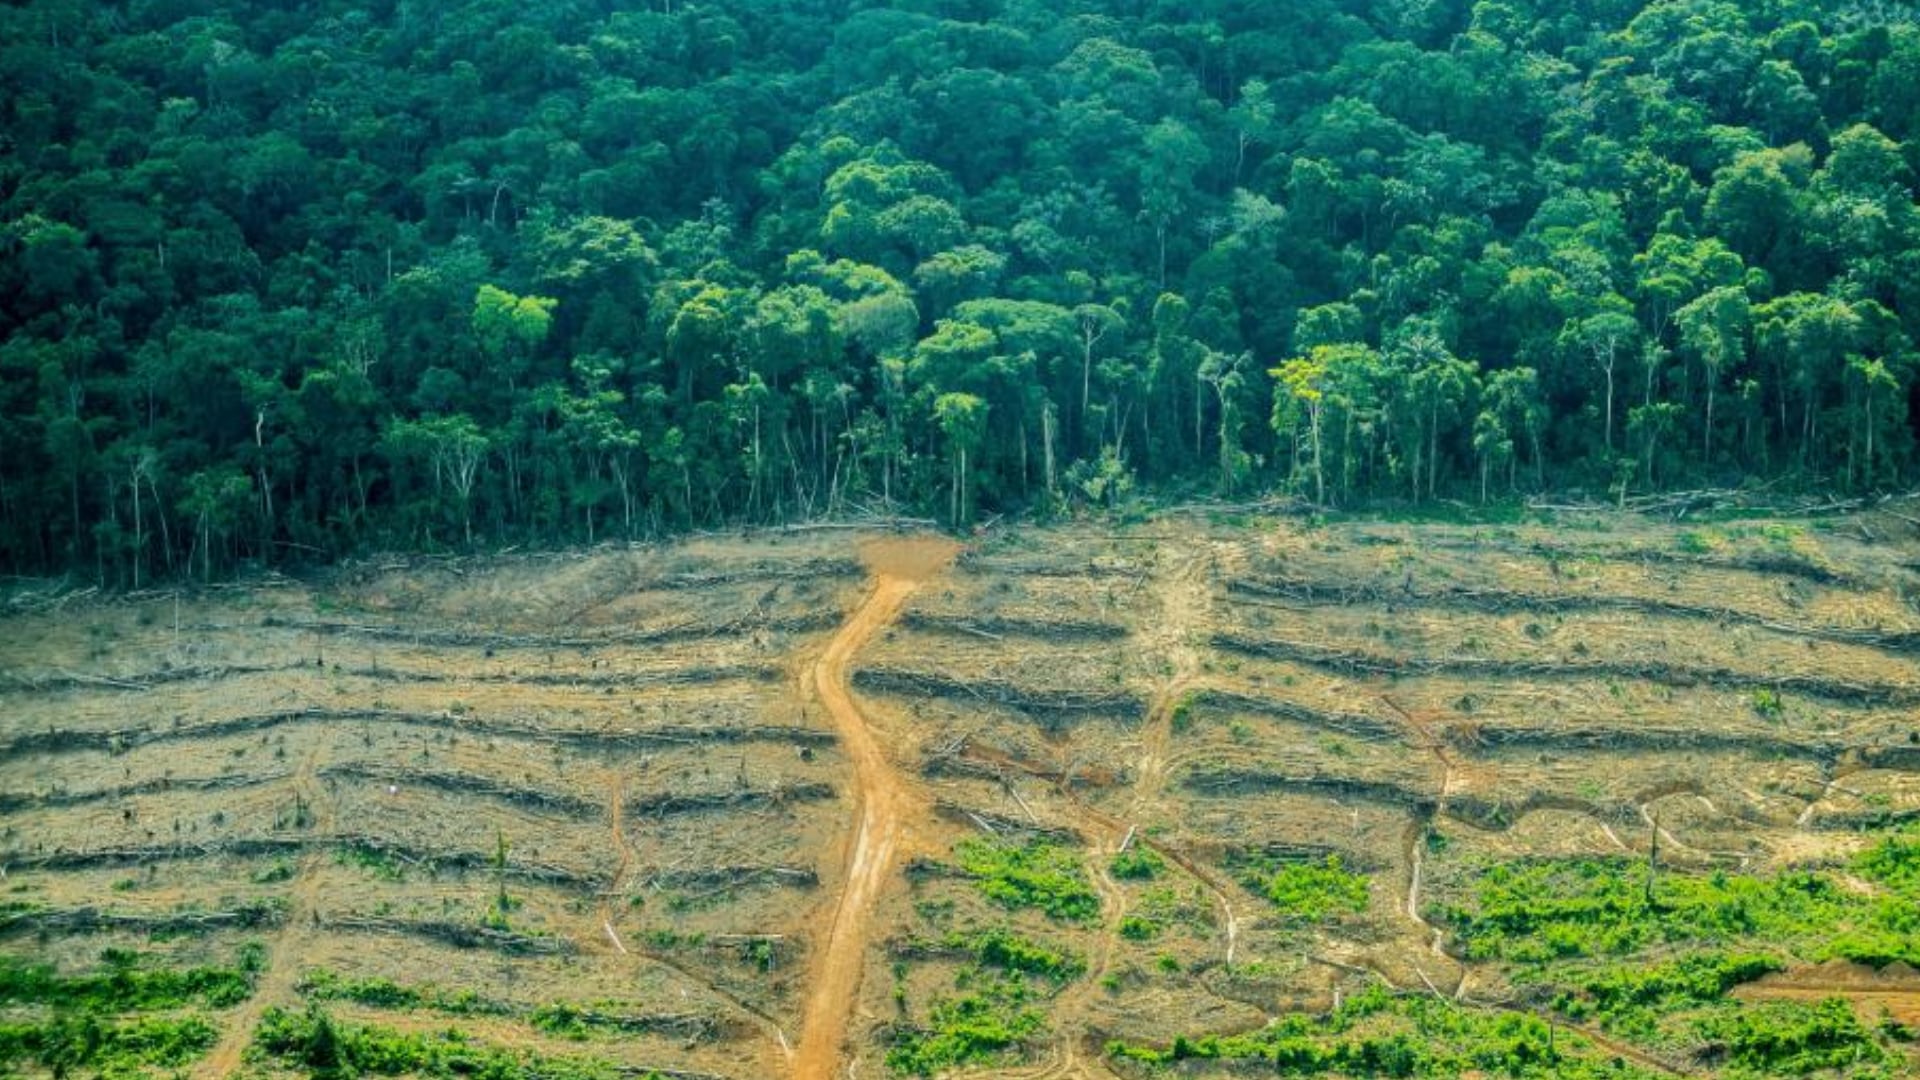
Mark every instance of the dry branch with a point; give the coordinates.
(1308, 592)
(85, 920)
(798, 877)
(444, 637)
(66, 859)
(57, 740)
(1222, 782)
(263, 847)
(12, 802)
(1498, 815)
(668, 804)
(1485, 735)
(49, 682)
(460, 783)
(989, 566)
(458, 935)
(1356, 663)
(1050, 703)
(1000, 627)
(1002, 825)
(692, 1027)
(1352, 724)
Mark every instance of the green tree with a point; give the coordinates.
(963, 422)
(1714, 328)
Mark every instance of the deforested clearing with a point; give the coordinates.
(1593, 795)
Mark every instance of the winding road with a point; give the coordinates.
(884, 800)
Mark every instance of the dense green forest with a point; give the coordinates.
(297, 278)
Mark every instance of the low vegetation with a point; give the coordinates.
(125, 984)
(1540, 912)
(88, 1043)
(1032, 875)
(320, 984)
(324, 1048)
(1381, 1034)
(987, 1020)
(1308, 890)
(128, 1016)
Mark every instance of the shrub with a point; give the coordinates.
(1138, 863)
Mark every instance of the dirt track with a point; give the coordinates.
(884, 799)
(277, 982)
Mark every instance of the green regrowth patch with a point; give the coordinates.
(1309, 891)
(1894, 863)
(1592, 908)
(1033, 875)
(380, 864)
(1633, 999)
(123, 987)
(988, 1021)
(1009, 952)
(314, 1043)
(85, 1042)
(1790, 1038)
(1379, 1034)
(1138, 863)
(320, 984)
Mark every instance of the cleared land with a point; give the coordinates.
(1590, 797)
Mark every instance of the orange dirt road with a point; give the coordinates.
(882, 795)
